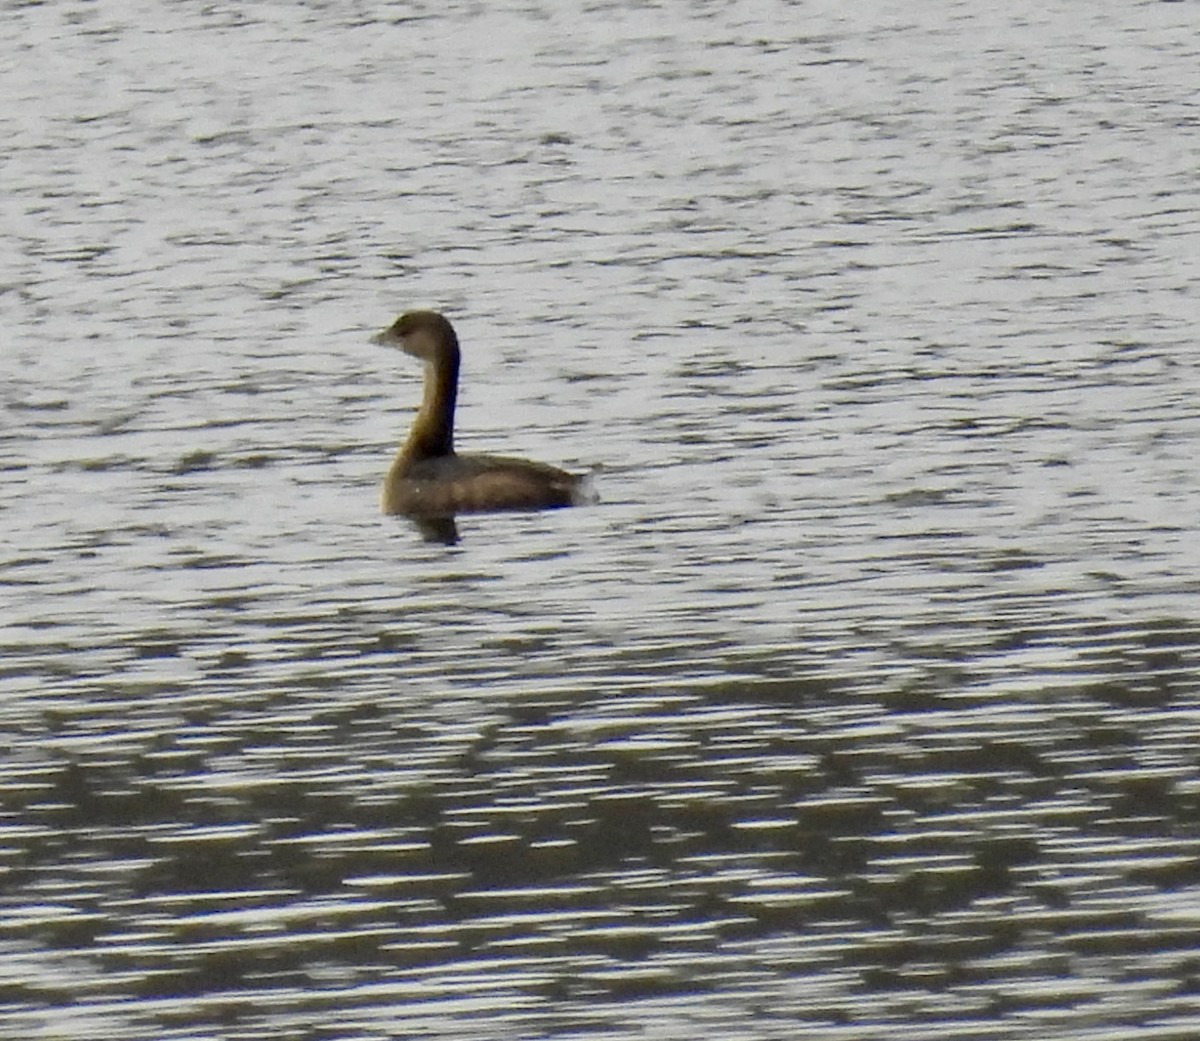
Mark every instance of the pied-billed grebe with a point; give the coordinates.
(427, 477)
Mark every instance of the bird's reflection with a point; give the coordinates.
(437, 529)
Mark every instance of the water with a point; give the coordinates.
(864, 704)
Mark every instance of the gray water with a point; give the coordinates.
(864, 704)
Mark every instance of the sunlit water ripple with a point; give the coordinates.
(864, 703)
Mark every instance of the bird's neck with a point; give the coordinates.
(432, 432)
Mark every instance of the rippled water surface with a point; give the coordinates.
(864, 704)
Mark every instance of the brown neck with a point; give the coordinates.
(432, 432)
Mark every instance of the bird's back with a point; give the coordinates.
(446, 485)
